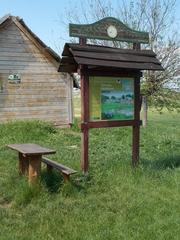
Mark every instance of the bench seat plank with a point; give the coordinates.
(58, 166)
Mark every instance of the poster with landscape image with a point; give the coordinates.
(111, 98)
(117, 105)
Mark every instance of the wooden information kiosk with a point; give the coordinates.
(110, 78)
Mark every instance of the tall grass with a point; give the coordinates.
(113, 202)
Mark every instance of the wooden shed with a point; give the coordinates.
(30, 85)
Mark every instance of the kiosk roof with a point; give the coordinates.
(100, 56)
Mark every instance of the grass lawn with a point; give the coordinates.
(113, 202)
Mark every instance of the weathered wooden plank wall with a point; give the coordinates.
(43, 93)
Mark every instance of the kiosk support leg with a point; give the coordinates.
(84, 150)
(135, 148)
(84, 118)
(136, 128)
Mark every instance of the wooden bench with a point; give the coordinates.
(66, 172)
(30, 156)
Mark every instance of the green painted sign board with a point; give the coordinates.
(108, 29)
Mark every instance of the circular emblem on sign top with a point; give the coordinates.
(112, 31)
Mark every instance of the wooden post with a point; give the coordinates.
(84, 113)
(82, 41)
(84, 118)
(136, 128)
(136, 46)
(137, 103)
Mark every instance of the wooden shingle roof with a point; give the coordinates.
(108, 57)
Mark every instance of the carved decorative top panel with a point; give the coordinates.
(108, 29)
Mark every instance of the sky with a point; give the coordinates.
(45, 18)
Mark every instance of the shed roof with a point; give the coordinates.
(20, 23)
(101, 56)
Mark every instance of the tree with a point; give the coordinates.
(155, 17)
(113, 98)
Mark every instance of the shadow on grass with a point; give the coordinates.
(170, 162)
(54, 182)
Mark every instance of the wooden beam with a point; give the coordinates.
(109, 72)
(104, 124)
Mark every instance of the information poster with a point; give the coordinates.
(111, 98)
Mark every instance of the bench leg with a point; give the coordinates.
(49, 169)
(34, 167)
(23, 165)
(66, 177)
